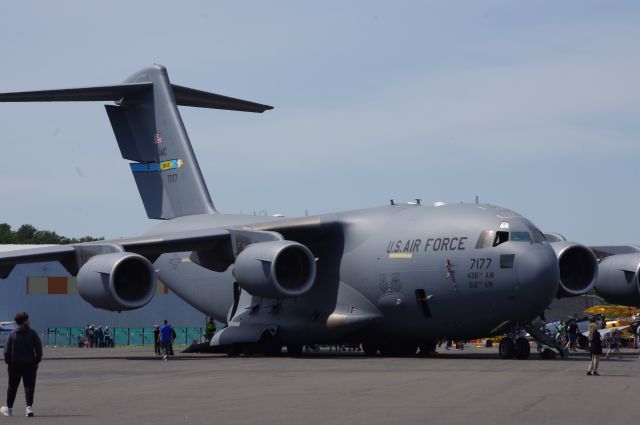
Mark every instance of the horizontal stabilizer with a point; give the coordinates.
(103, 93)
(184, 96)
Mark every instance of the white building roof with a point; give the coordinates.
(13, 247)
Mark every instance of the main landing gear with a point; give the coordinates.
(518, 348)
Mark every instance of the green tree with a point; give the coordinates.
(46, 237)
(25, 233)
(28, 234)
(6, 234)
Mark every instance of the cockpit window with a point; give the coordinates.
(521, 237)
(490, 238)
(486, 239)
(538, 236)
(501, 237)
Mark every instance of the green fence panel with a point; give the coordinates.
(180, 335)
(148, 336)
(136, 336)
(120, 336)
(52, 336)
(193, 334)
(74, 333)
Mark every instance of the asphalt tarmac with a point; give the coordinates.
(131, 386)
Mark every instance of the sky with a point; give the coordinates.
(533, 106)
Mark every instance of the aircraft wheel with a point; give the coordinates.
(248, 350)
(370, 348)
(548, 354)
(387, 350)
(270, 345)
(427, 348)
(294, 350)
(522, 348)
(232, 350)
(398, 349)
(506, 348)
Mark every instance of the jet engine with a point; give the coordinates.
(578, 268)
(275, 269)
(618, 279)
(118, 281)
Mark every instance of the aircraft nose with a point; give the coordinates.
(539, 277)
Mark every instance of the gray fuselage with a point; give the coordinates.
(397, 272)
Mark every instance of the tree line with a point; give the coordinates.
(29, 235)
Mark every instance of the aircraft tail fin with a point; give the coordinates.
(151, 134)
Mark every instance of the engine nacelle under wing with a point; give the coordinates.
(275, 269)
(618, 279)
(117, 282)
(578, 268)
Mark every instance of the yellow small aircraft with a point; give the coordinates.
(613, 310)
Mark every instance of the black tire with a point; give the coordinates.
(294, 350)
(507, 348)
(398, 349)
(232, 350)
(370, 348)
(248, 350)
(270, 345)
(548, 354)
(427, 348)
(522, 348)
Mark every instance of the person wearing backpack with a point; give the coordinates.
(22, 353)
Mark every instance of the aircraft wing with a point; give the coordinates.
(213, 248)
(72, 257)
(9, 259)
(607, 251)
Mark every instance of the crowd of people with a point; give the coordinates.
(597, 339)
(95, 337)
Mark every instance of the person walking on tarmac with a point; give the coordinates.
(23, 353)
(595, 347)
(166, 334)
(173, 338)
(156, 340)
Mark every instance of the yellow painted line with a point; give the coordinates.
(185, 260)
(401, 256)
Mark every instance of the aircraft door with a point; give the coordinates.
(423, 302)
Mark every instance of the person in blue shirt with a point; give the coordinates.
(166, 336)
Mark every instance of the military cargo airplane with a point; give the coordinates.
(393, 278)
